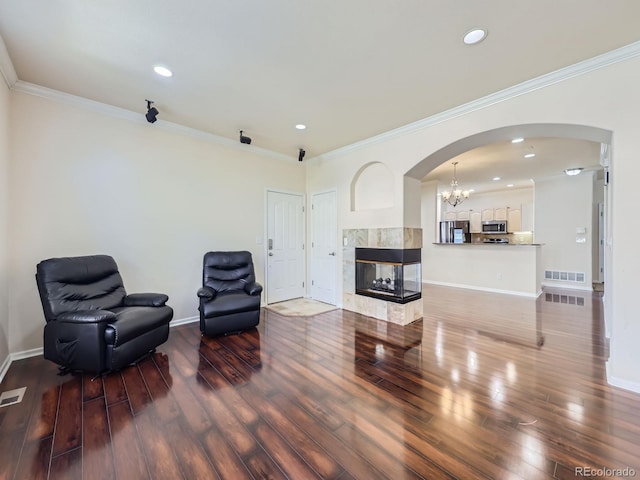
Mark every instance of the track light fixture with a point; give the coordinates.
(152, 112)
(244, 139)
(301, 155)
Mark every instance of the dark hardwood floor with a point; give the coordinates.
(484, 386)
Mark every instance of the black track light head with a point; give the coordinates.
(152, 112)
(244, 139)
(301, 155)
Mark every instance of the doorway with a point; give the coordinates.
(285, 246)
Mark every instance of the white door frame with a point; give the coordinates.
(303, 273)
(338, 255)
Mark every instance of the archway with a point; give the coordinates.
(503, 134)
(581, 132)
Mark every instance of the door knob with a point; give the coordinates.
(333, 254)
(271, 254)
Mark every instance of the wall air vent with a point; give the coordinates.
(560, 276)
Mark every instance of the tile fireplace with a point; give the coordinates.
(390, 271)
(389, 274)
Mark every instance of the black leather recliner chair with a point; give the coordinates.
(230, 296)
(92, 324)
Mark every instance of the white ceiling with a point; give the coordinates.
(348, 69)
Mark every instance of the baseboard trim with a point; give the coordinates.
(483, 289)
(34, 352)
(183, 321)
(622, 383)
(567, 286)
(5, 367)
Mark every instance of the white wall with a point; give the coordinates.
(4, 222)
(563, 205)
(373, 188)
(86, 183)
(604, 98)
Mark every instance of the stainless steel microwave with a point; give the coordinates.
(494, 226)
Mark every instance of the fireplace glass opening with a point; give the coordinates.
(389, 274)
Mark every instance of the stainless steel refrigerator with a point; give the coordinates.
(455, 232)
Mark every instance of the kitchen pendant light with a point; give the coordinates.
(456, 195)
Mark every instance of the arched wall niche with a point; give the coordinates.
(372, 187)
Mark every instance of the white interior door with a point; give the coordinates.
(285, 246)
(324, 246)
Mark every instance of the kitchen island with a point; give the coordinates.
(511, 268)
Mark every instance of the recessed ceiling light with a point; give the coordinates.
(495, 179)
(530, 155)
(474, 36)
(510, 185)
(573, 171)
(162, 71)
(300, 126)
(517, 140)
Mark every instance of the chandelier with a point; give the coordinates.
(456, 196)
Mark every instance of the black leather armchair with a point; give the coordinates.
(229, 297)
(92, 324)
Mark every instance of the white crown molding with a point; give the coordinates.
(137, 117)
(615, 56)
(581, 68)
(6, 66)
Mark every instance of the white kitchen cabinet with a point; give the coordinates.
(475, 222)
(500, 213)
(487, 214)
(462, 215)
(514, 220)
(448, 216)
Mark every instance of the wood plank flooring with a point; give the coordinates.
(484, 386)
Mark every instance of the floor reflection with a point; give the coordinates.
(234, 359)
(564, 298)
(377, 340)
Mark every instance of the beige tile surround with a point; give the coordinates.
(401, 314)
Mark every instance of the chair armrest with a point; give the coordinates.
(87, 316)
(207, 293)
(145, 300)
(253, 288)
